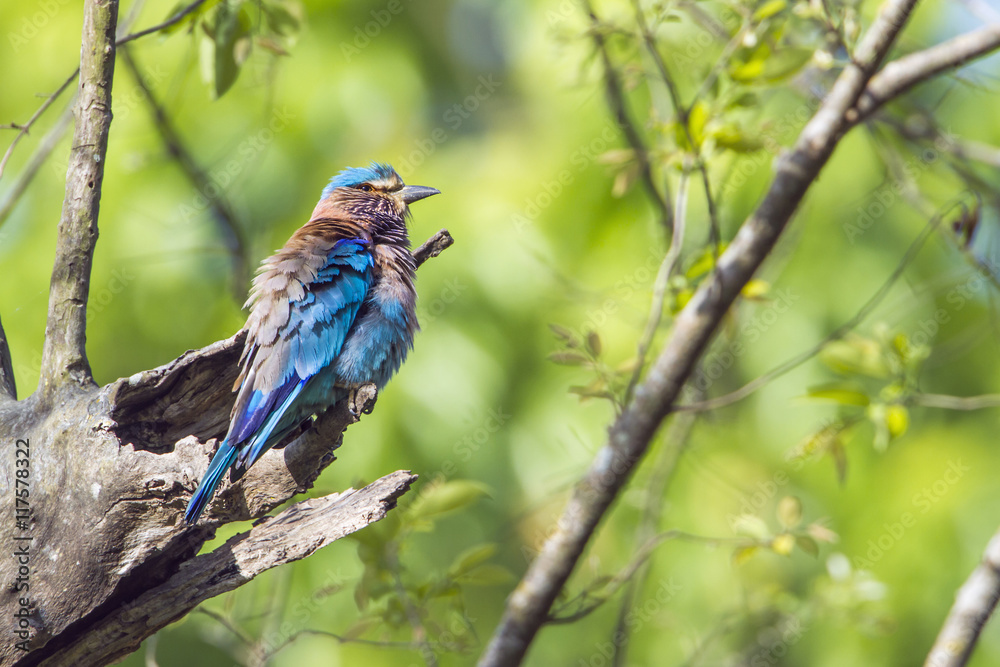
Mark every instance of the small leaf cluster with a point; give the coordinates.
(791, 533)
(879, 377)
(227, 31)
(392, 596)
(586, 351)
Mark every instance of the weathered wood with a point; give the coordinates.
(110, 474)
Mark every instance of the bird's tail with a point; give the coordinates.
(221, 462)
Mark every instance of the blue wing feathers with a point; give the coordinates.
(305, 347)
(216, 469)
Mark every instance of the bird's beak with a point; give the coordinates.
(412, 193)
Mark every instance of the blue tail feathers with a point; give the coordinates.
(206, 489)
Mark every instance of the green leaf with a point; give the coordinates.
(731, 137)
(897, 420)
(594, 344)
(839, 454)
(440, 499)
(843, 393)
(471, 557)
(855, 355)
(751, 526)
(360, 627)
(564, 334)
(227, 46)
(487, 575)
(808, 545)
(188, 20)
(743, 554)
(789, 511)
(786, 62)
(783, 544)
(280, 20)
(769, 9)
(697, 120)
(568, 358)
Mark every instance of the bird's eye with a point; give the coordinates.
(365, 187)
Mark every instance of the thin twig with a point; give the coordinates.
(225, 217)
(683, 117)
(836, 334)
(947, 402)
(642, 555)
(902, 74)
(412, 616)
(667, 268)
(674, 443)
(343, 639)
(173, 20)
(38, 158)
(616, 99)
(25, 127)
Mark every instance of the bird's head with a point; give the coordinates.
(376, 190)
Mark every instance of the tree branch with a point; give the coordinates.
(295, 533)
(64, 356)
(902, 74)
(616, 100)
(225, 217)
(694, 327)
(975, 602)
(433, 247)
(946, 402)
(24, 129)
(8, 390)
(122, 462)
(41, 154)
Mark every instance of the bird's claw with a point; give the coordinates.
(361, 400)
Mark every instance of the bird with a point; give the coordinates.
(331, 311)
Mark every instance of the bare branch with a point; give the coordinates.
(433, 247)
(294, 534)
(226, 219)
(663, 275)
(980, 402)
(64, 356)
(838, 333)
(975, 602)
(902, 74)
(630, 435)
(616, 99)
(8, 390)
(173, 20)
(26, 127)
(49, 142)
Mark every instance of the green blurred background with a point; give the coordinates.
(540, 239)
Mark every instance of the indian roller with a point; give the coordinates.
(331, 311)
